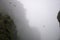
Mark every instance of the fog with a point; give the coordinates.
(34, 19)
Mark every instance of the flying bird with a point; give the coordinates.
(58, 17)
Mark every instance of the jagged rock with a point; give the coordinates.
(7, 28)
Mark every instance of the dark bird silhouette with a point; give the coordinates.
(58, 16)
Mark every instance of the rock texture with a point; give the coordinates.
(7, 28)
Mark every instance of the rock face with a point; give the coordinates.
(58, 16)
(7, 28)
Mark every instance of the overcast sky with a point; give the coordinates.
(42, 14)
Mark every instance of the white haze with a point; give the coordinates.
(41, 16)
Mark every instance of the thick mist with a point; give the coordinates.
(42, 14)
(34, 19)
(17, 12)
